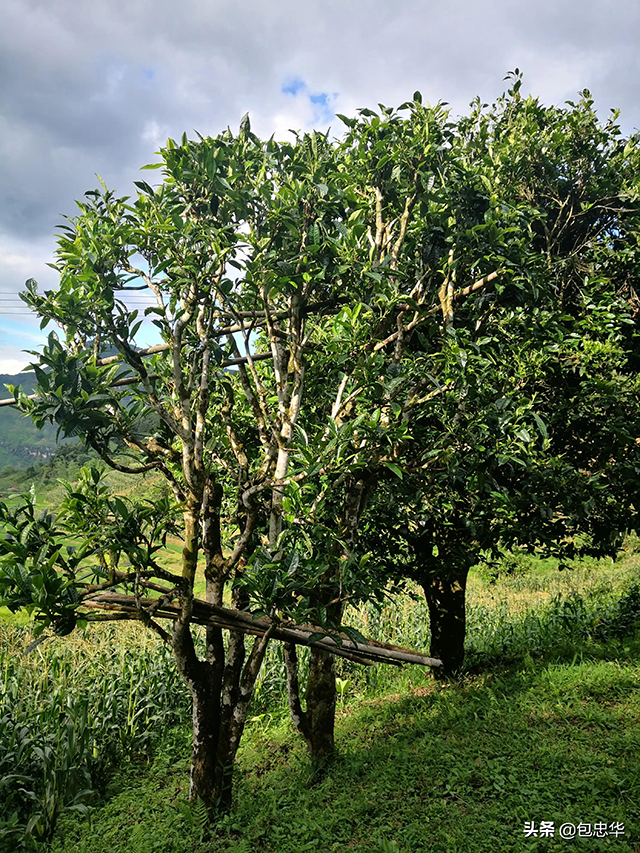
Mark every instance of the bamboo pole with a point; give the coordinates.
(205, 613)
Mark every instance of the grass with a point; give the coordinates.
(545, 726)
(442, 768)
(65, 464)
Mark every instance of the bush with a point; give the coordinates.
(510, 564)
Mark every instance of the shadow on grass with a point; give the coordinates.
(462, 766)
(458, 766)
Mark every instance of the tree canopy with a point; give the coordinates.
(536, 443)
(381, 357)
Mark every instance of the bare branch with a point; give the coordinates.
(404, 222)
(445, 293)
(421, 318)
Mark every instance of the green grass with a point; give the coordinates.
(545, 725)
(22, 445)
(443, 768)
(551, 735)
(69, 457)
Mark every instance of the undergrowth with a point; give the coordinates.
(543, 726)
(71, 711)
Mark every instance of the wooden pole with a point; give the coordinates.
(369, 652)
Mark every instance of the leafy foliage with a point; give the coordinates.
(529, 436)
(67, 715)
(418, 342)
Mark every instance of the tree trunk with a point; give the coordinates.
(445, 595)
(221, 693)
(321, 705)
(316, 724)
(222, 684)
(208, 781)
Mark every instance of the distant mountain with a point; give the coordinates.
(21, 444)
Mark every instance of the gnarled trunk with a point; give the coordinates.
(445, 595)
(208, 782)
(321, 704)
(316, 724)
(221, 687)
(220, 692)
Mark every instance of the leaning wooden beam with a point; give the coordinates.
(113, 612)
(237, 620)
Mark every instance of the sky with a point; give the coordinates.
(97, 87)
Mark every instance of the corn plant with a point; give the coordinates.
(69, 713)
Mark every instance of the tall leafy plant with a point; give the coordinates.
(241, 237)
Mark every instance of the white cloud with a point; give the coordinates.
(21, 259)
(155, 134)
(11, 365)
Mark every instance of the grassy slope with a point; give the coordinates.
(455, 768)
(422, 767)
(65, 465)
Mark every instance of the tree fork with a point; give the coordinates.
(316, 724)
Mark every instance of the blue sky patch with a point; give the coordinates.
(294, 86)
(322, 110)
(320, 101)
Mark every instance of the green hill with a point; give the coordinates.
(21, 444)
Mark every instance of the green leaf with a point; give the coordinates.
(541, 425)
(353, 634)
(145, 187)
(121, 507)
(318, 635)
(245, 125)
(395, 468)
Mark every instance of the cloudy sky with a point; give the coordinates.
(98, 86)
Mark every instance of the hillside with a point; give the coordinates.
(543, 726)
(21, 444)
